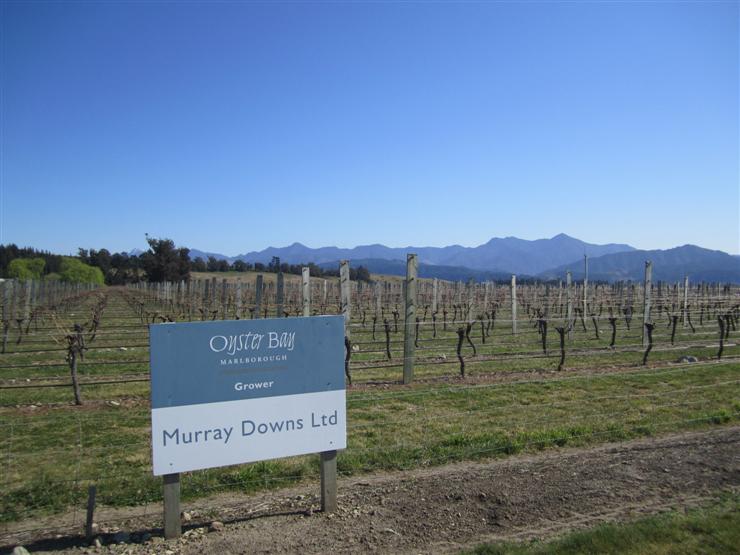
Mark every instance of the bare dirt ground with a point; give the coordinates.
(445, 509)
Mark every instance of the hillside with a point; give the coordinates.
(668, 265)
(398, 268)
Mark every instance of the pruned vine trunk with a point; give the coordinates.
(649, 330)
(460, 337)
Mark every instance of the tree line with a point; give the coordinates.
(163, 261)
(28, 263)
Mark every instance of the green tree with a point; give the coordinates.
(212, 264)
(165, 262)
(361, 274)
(101, 259)
(10, 252)
(73, 270)
(26, 268)
(123, 269)
(314, 270)
(274, 265)
(240, 266)
(198, 265)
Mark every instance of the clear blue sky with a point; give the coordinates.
(233, 126)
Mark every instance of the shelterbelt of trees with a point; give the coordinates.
(163, 261)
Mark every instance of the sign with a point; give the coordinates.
(230, 392)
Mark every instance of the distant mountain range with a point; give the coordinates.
(668, 265)
(507, 255)
(500, 257)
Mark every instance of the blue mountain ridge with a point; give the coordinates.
(505, 255)
(501, 257)
(668, 265)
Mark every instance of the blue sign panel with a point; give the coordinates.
(207, 362)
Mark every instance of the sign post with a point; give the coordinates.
(329, 481)
(171, 498)
(231, 392)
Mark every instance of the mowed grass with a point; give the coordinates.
(51, 451)
(52, 455)
(712, 529)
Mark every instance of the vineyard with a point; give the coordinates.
(437, 372)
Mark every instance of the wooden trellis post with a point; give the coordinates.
(378, 299)
(585, 286)
(513, 304)
(569, 308)
(238, 298)
(646, 301)
(412, 266)
(344, 294)
(685, 301)
(435, 293)
(279, 295)
(258, 297)
(306, 290)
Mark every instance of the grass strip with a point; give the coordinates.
(714, 528)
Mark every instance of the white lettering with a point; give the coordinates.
(219, 338)
(285, 340)
(235, 343)
(241, 386)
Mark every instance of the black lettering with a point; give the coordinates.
(174, 435)
(247, 425)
